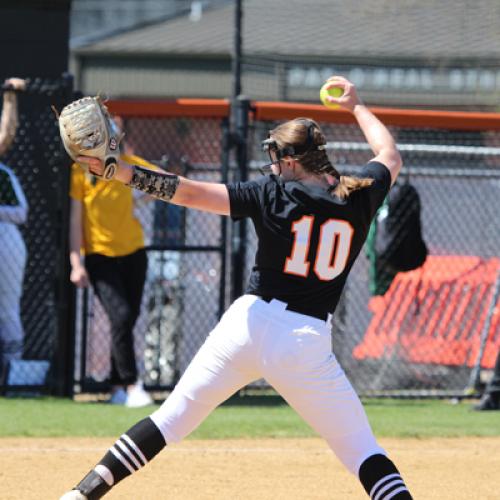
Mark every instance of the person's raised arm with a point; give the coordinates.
(376, 133)
(207, 196)
(9, 120)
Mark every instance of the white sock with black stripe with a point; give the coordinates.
(131, 451)
(382, 480)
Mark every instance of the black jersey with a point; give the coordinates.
(308, 239)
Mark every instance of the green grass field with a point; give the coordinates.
(243, 417)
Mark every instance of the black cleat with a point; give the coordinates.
(91, 487)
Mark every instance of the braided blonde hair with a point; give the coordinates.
(295, 133)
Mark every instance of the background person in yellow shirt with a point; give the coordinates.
(107, 250)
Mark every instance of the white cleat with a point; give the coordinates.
(73, 495)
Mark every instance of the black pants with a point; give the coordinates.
(119, 283)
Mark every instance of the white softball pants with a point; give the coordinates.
(256, 339)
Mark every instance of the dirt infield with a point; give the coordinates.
(305, 469)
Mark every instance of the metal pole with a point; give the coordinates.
(282, 81)
(236, 62)
(240, 106)
(226, 148)
(475, 372)
(64, 358)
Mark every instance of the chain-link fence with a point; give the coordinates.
(34, 297)
(431, 330)
(183, 293)
(411, 333)
(423, 331)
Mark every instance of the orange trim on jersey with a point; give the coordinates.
(335, 245)
(294, 248)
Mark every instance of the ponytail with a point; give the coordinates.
(348, 185)
(318, 162)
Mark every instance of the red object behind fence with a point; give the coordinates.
(436, 314)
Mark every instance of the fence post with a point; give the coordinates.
(225, 160)
(64, 355)
(239, 235)
(240, 106)
(475, 372)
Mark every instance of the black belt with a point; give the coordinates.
(298, 308)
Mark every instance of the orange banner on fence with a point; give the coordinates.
(436, 314)
(273, 111)
(209, 108)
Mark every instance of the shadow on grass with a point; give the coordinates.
(399, 403)
(275, 400)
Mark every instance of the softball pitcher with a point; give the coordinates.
(311, 223)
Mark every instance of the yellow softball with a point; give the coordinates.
(333, 92)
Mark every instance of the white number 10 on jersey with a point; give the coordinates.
(334, 243)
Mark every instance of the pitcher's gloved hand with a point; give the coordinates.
(87, 129)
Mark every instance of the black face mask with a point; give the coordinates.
(271, 146)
